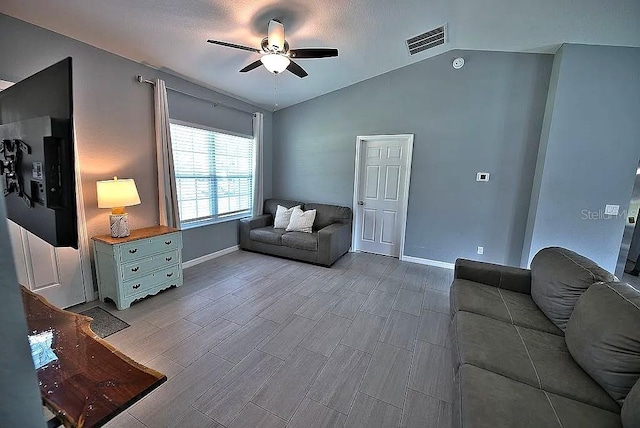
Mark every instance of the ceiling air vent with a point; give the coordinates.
(426, 40)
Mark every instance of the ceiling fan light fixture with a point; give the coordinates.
(276, 55)
(275, 63)
(276, 36)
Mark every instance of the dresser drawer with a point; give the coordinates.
(144, 266)
(152, 280)
(145, 247)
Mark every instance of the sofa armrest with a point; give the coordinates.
(246, 224)
(500, 276)
(333, 241)
(263, 220)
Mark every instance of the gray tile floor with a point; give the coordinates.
(256, 341)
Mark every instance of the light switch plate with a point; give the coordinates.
(482, 176)
(611, 209)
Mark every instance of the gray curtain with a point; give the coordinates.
(258, 192)
(167, 193)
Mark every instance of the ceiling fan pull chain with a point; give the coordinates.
(275, 92)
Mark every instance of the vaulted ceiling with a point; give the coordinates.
(370, 35)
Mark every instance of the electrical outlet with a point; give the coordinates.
(482, 176)
(480, 250)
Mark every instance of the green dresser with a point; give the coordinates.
(140, 265)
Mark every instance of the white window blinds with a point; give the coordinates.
(214, 174)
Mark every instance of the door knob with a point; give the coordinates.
(360, 203)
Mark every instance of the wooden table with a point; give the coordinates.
(91, 381)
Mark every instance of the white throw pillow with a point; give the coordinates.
(301, 221)
(283, 215)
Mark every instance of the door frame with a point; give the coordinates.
(406, 139)
(84, 246)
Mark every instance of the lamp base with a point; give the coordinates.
(119, 225)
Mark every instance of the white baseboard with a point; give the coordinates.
(427, 262)
(211, 256)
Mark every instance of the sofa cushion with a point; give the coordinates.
(504, 305)
(536, 358)
(603, 336)
(283, 216)
(560, 373)
(271, 205)
(301, 221)
(558, 279)
(574, 414)
(301, 240)
(329, 214)
(631, 409)
(267, 235)
(487, 399)
(492, 345)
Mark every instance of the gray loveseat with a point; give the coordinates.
(554, 346)
(331, 237)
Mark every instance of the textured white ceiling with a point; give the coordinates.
(370, 35)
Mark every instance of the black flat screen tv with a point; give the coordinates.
(37, 169)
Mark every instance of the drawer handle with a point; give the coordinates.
(168, 242)
(135, 250)
(135, 269)
(170, 274)
(168, 258)
(136, 286)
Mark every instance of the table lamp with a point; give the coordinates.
(117, 194)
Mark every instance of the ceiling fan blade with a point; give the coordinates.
(233, 45)
(297, 70)
(251, 66)
(310, 53)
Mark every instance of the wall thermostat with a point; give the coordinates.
(482, 176)
(458, 63)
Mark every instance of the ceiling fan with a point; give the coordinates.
(276, 55)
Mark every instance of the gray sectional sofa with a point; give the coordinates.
(554, 346)
(331, 237)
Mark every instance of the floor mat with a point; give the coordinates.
(104, 324)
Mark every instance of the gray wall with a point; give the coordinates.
(204, 240)
(589, 152)
(542, 152)
(484, 117)
(20, 404)
(189, 109)
(114, 122)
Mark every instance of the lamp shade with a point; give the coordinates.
(275, 63)
(117, 193)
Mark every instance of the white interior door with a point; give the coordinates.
(55, 273)
(381, 192)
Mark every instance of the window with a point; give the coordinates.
(214, 174)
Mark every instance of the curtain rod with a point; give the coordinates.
(214, 103)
